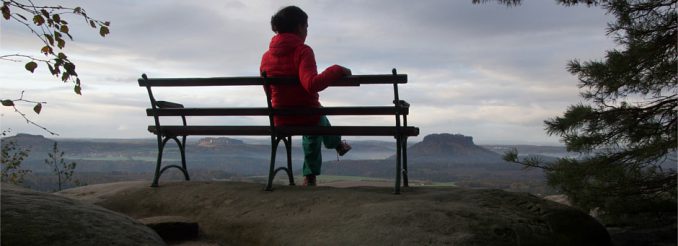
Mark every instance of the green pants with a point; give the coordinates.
(313, 159)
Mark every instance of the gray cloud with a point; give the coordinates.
(484, 70)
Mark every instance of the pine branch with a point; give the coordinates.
(529, 162)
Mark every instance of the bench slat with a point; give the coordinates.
(207, 111)
(176, 130)
(378, 110)
(354, 80)
(347, 130)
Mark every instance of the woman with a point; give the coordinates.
(288, 56)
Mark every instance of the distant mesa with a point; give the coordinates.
(451, 148)
(447, 138)
(24, 139)
(25, 136)
(445, 144)
(218, 142)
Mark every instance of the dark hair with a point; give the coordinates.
(288, 19)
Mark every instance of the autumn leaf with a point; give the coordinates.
(51, 69)
(70, 68)
(38, 20)
(65, 76)
(7, 103)
(50, 39)
(30, 66)
(103, 31)
(5, 12)
(46, 50)
(37, 108)
(61, 43)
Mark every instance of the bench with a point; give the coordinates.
(399, 109)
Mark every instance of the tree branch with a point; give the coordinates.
(37, 109)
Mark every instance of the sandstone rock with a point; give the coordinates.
(173, 228)
(37, 218)
(233, 213)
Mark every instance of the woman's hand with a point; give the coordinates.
(347, 72)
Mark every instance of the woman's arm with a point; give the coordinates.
(308, 72)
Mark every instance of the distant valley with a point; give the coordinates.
(438, 158)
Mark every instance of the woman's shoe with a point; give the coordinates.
(343, 148)
(309, 180)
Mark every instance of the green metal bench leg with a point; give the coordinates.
(182, 148)
(182, 151)
(288, 148)
(161, 146)
(398, 164)
(404, 150)
(288, 169)
(271, 172)
(159, 171)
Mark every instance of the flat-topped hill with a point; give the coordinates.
(452, 148)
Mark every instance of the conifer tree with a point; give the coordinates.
(627, 127)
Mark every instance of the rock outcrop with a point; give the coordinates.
(37, 218)
(454, 149)
(446, 146)
(243, 214)
(34, 142)
(218, 142)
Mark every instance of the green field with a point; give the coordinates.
(324, 179)
(119, 158)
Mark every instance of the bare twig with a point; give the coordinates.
(25, 117)
(10, 58)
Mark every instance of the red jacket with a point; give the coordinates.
(288, 56)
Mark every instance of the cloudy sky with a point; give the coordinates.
(487, 71)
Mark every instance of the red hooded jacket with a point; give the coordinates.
(288, 56)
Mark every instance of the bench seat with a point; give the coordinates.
(179, 130)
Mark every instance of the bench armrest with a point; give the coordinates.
(166, 104)
(401, 103)
(374, 110)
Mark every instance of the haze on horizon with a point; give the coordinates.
(486, 71)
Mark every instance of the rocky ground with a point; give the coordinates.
(231, 213)
(37, 218)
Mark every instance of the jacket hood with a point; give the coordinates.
(284, 43)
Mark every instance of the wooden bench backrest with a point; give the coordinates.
(354, 80)
(162, 108)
